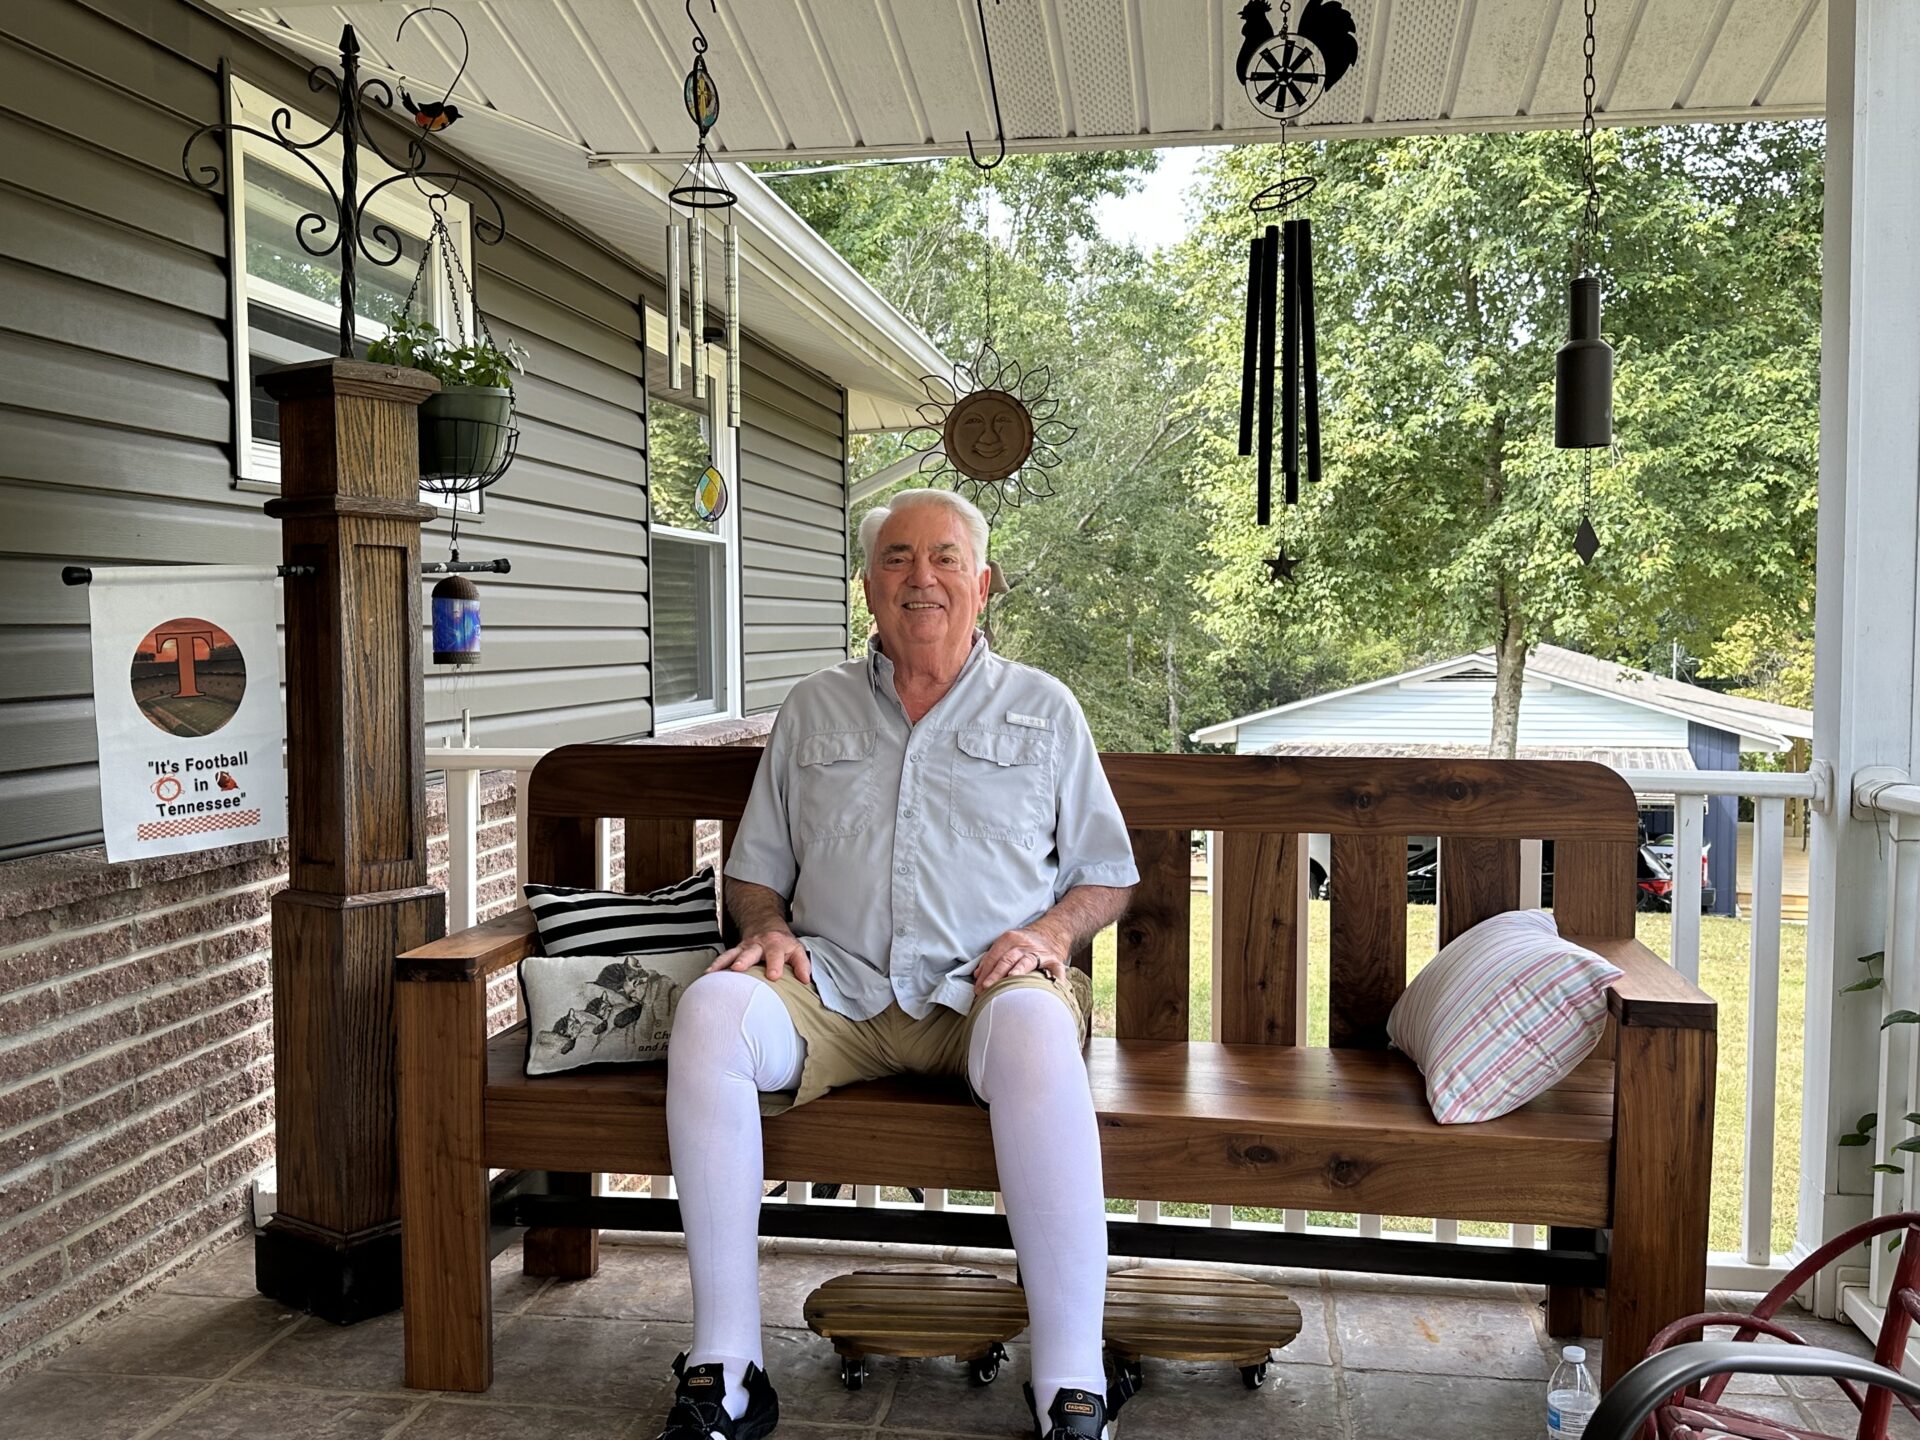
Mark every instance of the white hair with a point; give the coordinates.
(875, 520)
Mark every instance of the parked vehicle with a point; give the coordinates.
(1653, 872)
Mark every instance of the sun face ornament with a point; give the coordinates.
(991, 432)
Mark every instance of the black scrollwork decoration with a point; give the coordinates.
(349, 229)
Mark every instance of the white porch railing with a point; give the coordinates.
(1754, 1265)
(1895, 802)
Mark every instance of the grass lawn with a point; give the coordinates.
(1723, 974)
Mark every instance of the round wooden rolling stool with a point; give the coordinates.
(1173, 1313)
(917, 1312)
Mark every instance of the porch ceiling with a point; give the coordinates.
(839, 78)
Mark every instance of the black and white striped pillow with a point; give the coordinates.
(680, 916)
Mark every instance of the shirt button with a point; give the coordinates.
(908, 812)
(913, 759)
(902, 869)
(900, 930)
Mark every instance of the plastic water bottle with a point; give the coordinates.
(1572, 1397)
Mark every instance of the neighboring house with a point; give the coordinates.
(1572, 707)
(135, 1043)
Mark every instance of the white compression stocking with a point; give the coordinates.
(1024, 1061)
(732, 1038)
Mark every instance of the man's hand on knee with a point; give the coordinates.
(1020, 952)
(776, 949)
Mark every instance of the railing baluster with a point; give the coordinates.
(1531, 853)
(463, 849)
(1763, 1027)
(1220, 1216)
(1899, 1044)
(1370, 1227)
(522, 830)
(1446, 1231)
(1689, 826)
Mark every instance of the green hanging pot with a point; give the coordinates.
(464, 431)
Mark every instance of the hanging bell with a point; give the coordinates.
(456, 621)
(1583, 376)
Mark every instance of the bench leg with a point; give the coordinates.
(1663, 1157)
(1571, 1310)
(567, 1253)
(446, 1277)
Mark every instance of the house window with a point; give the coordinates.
(690, 570)
(286, 303)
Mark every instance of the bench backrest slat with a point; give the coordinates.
(659, 851)
(1367, 938)
(1479, 878)
(1260, 938)
(1153, 947)
(1593, 886)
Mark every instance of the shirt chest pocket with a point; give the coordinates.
(836, 785)
(1002, 785)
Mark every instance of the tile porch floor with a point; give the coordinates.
(206, 1358)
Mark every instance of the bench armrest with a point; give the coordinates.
(475, 953)
(1650, 991)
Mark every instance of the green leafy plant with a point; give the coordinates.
(1874, 980)
(415, 342)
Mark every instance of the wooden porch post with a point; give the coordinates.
(1869, 592)
(356, 807)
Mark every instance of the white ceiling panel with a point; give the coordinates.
(854, 42)
(1412, 81)
(1661, 56)
(1756, 34)
(1496, 72)
(844, 78)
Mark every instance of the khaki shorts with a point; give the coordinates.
(843, 1051)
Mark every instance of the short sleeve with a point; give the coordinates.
(763, 846)
(1090, 835)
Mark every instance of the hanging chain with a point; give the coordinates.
(1286, 7)
(1590, 220)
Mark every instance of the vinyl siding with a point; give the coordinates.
(793, 525)
(115, 415)
(1460, 712)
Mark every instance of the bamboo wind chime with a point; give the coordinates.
(1280, 269)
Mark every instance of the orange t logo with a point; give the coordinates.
(183, 639)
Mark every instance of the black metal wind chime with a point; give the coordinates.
(1583, 368)
(462, 451)
(1284, 73)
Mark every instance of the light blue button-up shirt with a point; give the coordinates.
(906, 850)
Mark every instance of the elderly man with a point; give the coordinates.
(929, 838)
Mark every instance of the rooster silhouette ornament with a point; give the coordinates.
(1284, 73)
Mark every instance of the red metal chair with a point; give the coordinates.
(1694, 1416)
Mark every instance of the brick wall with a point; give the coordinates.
(135, 1076)
(136, 1068)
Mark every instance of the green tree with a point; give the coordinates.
(1446, 516)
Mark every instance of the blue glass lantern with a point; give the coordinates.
(456, 622)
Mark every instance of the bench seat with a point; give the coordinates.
(1253, 1124)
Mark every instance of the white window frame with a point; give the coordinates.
(728, 663)
(257, 462)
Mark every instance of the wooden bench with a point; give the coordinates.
(1615, 1160)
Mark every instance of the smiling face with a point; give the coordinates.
(925, 587)
(988, 435)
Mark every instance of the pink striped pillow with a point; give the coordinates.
(1502, 1014)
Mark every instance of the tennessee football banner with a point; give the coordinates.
(186, 702)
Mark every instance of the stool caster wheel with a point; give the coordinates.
(985, 1369)
(1254, 1376)
(853, 1373)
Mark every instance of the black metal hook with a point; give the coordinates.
(993, 87)
(466, 44)
(699, 35)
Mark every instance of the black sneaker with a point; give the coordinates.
(699, 1410)
(1075, 1415)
